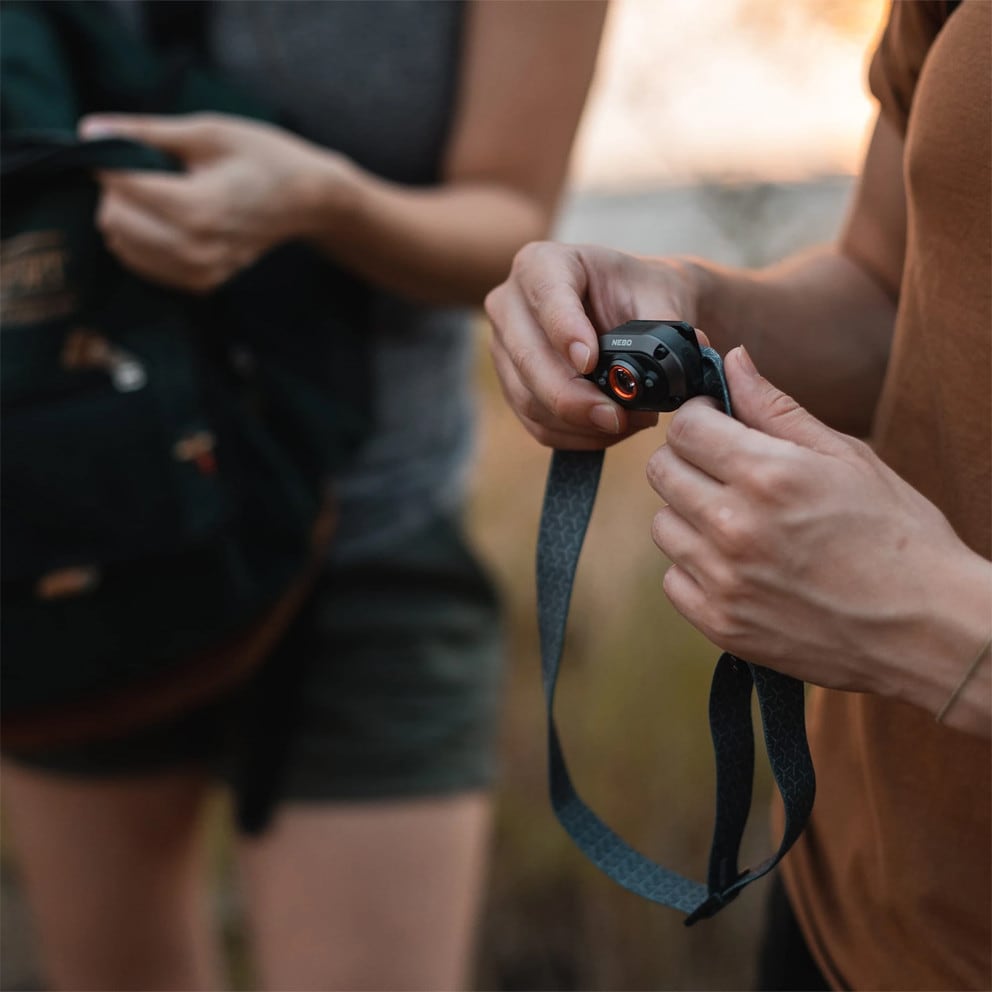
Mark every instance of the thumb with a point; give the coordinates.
(759, 404)
(183, 136)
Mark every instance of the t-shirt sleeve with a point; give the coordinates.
(895, 66)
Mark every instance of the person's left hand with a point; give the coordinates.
(243, 192)
(795, 547)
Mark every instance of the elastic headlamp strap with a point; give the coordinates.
(571, 491)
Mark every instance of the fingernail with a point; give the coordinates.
(605, 418)
(95, 127)
(579, 354)
(744, 360)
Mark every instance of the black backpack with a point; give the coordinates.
(166, 459)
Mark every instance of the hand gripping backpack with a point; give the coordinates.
(166, 459)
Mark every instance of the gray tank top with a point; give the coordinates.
(375, 80)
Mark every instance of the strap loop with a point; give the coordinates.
(573, 479)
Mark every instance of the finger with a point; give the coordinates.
(122, 222)
(537, 421)
(766, 408)
(547, 377)
(716, 444)
(565, 440)
(153, 248)
(602, 421)
(144, 264)
(530, 410)
(163, 194)
(553, 281)
(719, 512)
(694, 495)
(686, 595)
(183, 135)
(168, 271)
(679, 541)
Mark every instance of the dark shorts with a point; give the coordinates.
(387, 685)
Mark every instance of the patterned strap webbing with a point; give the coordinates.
(571, 492)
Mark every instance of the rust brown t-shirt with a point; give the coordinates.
(891, 883)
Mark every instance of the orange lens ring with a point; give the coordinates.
(624, 392)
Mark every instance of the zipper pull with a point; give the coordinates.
(86, 349)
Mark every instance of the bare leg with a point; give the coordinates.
(369, 895)
(112, 873)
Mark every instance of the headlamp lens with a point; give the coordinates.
(623, 382)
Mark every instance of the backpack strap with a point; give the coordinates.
(571, 492)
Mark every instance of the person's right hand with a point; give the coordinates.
(247, 187)
(546, 320)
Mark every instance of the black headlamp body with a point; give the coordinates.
(650, 365)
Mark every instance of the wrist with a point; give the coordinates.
(323, 196)
(954, 665)
(698, 286)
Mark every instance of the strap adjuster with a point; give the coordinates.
(712, 905)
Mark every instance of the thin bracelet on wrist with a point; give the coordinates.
(965, 679)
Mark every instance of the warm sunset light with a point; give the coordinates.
(728, 89)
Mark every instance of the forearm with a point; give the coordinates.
(440, 244)
(818, 325)
(524, 69)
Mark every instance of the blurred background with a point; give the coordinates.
(729, 129)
